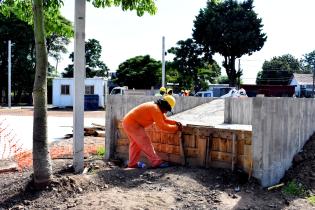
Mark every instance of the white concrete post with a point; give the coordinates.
(163, 61)
(79, 69)
(9, 74)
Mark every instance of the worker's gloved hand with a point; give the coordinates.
(180, 126)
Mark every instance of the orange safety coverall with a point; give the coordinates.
(134, 124)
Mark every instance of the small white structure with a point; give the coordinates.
(303, 84)
(63, 90)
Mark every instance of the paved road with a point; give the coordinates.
(18, 125)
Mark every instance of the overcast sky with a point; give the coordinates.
(289, 25)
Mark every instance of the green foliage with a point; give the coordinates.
(54, 21)
(140, 72)
(140, 6)
(94, 66)
(294, 189)
(311, 199)
(283, 63)
(195, 67)
(100, 151)
(279, 70)
(23, 61)
(231, 29)
(222, 80)
(308, 62)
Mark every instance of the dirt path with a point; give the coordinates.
(107, 186)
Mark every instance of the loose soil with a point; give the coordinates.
(108, 185)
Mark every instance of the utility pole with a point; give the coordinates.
(9, 74)
(163, 61)
(313, 81)
(239, 70)
(79, 69)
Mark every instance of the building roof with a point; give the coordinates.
(303, 79)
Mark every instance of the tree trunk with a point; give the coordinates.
(229, 65)
(41, 158)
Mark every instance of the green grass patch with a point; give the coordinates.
(100, 151)
(311, 199)
(294, 189)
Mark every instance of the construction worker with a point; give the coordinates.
(142, 116)
(162, 92)
(169, 91)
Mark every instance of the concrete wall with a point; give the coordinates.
(281, 126)
(117, 106)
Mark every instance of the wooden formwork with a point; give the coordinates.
(197, 146)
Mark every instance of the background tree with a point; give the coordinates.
(279, 70)
(94, 66)
(308, 62)
(193, 65)
(222, 80)
(23, 10)
(231, 29)
(23, 61)
(140, 72)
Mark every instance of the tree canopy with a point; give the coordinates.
(140, 72)
(308, 62)
(94, 66)
(279, 70)
(231, 29)
(195, 67)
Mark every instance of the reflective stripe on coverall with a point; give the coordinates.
(134, 124)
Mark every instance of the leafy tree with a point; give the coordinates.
(23, 70)
(56, 45)
(140, 72)
(48, 11)
(231, 29)
(223, 80)
(94, 67)
(279, 70)
(308, 62)
(193, 65)
(283, 63)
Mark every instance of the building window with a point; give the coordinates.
(89, 90)
(65, 89)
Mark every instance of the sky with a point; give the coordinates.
(122, 34)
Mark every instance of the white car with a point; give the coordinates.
(231, 94)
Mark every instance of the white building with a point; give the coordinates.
(303, 84)
(63, 90)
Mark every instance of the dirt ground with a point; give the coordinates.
(108, 185)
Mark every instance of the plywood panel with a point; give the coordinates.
(222, 145)
(189, 141)
(122, 142)
(216, 144)
(221, 156)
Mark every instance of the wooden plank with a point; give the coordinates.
(215, 144)
(170, 157)
(221, 156)
(191, 152)
(223, 145)
(240, 147)
(122, 142)
(181, 149)
(189, 141)
(122, 149)
(248, 150)
(202, 150)
(229, 145)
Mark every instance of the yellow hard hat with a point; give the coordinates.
(169, 91)
(170, 100)
(163, 89)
